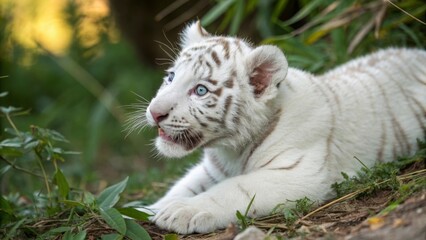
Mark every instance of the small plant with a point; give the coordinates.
(291, 215)
(380, 176)
(244, 220)
(55, 209)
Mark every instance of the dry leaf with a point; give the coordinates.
(375, 223)
(398, 222)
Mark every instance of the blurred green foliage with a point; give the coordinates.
(83, 94)
(318, 35)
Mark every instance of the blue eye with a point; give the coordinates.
(170, 77)
(201, 90)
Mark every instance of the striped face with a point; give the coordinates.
(206, 93)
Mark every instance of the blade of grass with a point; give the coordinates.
(238, 17)
(216, 11)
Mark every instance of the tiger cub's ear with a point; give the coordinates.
(193, 33)
(267, 67)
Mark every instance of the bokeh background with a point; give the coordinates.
(78, 64)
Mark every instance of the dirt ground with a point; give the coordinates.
(372, 216)
(375, 215)
(346, 220)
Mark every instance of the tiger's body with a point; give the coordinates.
(274, 132)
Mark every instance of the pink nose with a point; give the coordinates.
(158, 117)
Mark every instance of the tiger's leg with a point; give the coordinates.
(197, 180)
(216, 207)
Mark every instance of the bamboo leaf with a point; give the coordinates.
(110, 195)
(134, 213)
(136, 231)
(80, 236)
(62, 183)
(114, 220)
(112, 236)
(67, 236)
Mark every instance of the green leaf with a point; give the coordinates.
(110, 195)
(9, 110)
(10, 152)
(305, 11)
(345, 175)
(171, 237)
(112, 236)
(216, 11)
(5, 206)
(5, 169)
(239, 215)
(54, 232)
(67, 236)
(242, 219)
(6, 211)
(70, 152)
(32, 144)
(62, 183)
(11, 143)
(88, 198)
(114, 220)
(56, 136)
(136, 231)
(278, 9)
(3, 94)
(134, 213)
(80, 236)
(238, 17)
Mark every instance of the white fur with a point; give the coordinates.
(372, 108)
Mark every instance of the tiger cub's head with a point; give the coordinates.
(218, 92)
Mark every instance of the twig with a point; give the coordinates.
(13, 125)
(169, 9)
(353, 194)
(20, 168)
(46, 179)
(402, 10)
(190, 13)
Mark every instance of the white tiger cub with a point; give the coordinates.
(274, 132)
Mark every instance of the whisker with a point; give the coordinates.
(165, 62)
(140, 97)
(168, 54)
(168, 47)
(174, 46)
(136, 119)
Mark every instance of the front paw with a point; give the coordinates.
(183, 217)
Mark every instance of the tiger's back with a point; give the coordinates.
(275, 132)
(373, 107)
(380, 104)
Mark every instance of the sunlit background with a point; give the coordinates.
(67, 62)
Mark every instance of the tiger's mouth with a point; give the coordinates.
(187, 139)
